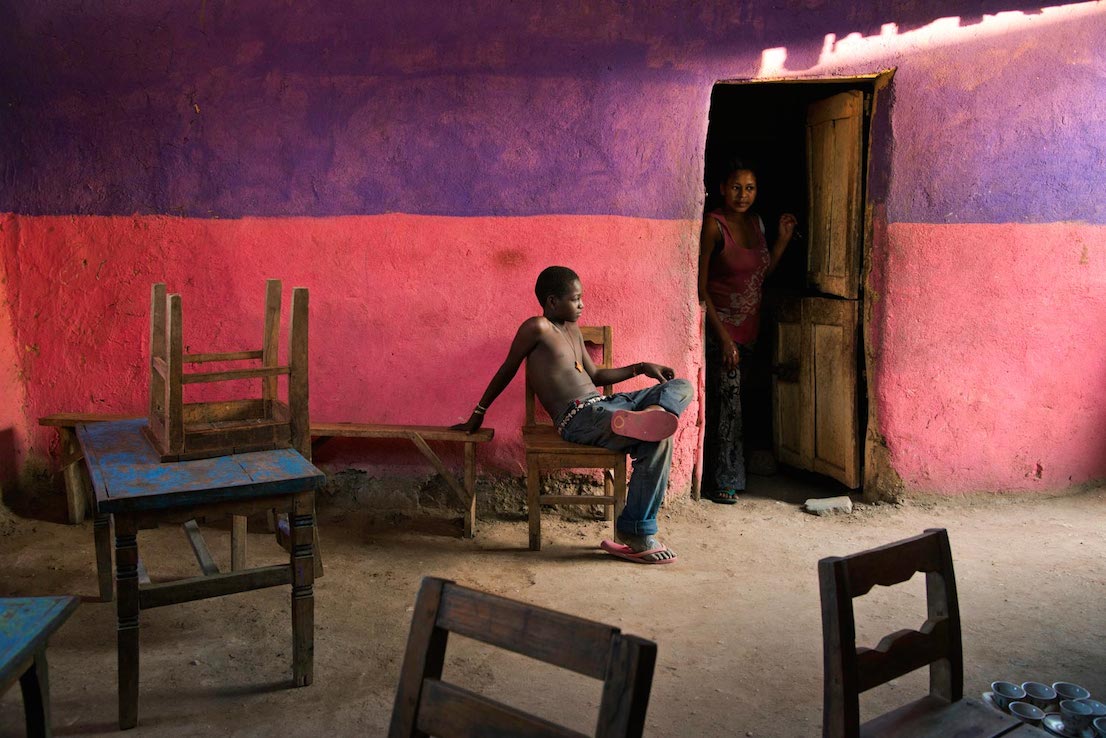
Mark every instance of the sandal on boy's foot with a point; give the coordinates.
(623, 551)
(725, 497)
(644, 425)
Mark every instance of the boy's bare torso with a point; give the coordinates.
(551, 366)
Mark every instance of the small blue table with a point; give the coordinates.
(132, 486)
(25, 625)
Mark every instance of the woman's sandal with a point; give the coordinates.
(725, 497)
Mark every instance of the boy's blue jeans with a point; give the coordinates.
(649, 480)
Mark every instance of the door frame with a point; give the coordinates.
(879, 481)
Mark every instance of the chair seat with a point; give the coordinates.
(932, 716)
(543, 439)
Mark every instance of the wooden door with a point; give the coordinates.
(792, 428)
(831, 325)
(834, 132)
(815, 388)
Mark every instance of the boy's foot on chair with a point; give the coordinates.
(639, 549)
(651, 424)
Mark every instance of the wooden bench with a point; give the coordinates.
(419, 435)
(26, 623)
(465, 488)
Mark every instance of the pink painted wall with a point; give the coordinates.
(992, 356)
(258, 143)
(15, 440)
(402, 329)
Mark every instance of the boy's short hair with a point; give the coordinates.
(554, 280)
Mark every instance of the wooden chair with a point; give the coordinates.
(181, 431)
(425, 705)
(547, 451)
(850, 670)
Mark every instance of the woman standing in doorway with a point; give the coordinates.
(734, 259)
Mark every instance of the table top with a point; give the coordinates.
(25, 624)
(128, 475)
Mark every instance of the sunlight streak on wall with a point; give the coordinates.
(855, 49)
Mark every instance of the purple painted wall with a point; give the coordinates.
(506, 114)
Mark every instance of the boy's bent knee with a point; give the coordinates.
(681, 388)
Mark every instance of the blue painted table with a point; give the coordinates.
(132, 486)
(25, 625)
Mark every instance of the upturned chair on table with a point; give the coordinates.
(426, 705)
(850, 670)
(547, 451)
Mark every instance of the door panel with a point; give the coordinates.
(834, 133)
(792, 429)
(832, 328)
(814, 388)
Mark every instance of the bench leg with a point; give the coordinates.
(533, 502)
(36, 696)
(126, 578)
(302, 529)
(73, 474)
(470, 489)
(101, 538)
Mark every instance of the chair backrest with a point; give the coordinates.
(849, 670)
(425, 705)
(597, 335)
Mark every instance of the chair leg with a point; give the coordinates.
(608, 490)
(619, 491)
(533, 502)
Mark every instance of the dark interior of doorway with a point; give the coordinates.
(764, 123)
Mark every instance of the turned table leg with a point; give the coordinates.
(302, 521)
(126, 579)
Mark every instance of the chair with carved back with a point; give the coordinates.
(547, 451)
(427, 706)
(850, 670)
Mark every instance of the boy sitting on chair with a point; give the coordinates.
(564, 378)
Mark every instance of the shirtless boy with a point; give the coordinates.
(564, 378)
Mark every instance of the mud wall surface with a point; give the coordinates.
(416, 167)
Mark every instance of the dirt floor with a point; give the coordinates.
(736, 619)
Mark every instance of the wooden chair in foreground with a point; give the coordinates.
(547, 451)
(850, 670)
(425, 705)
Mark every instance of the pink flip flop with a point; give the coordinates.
(644, 425)
(625, 552)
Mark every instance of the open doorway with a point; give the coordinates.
(804, 388)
